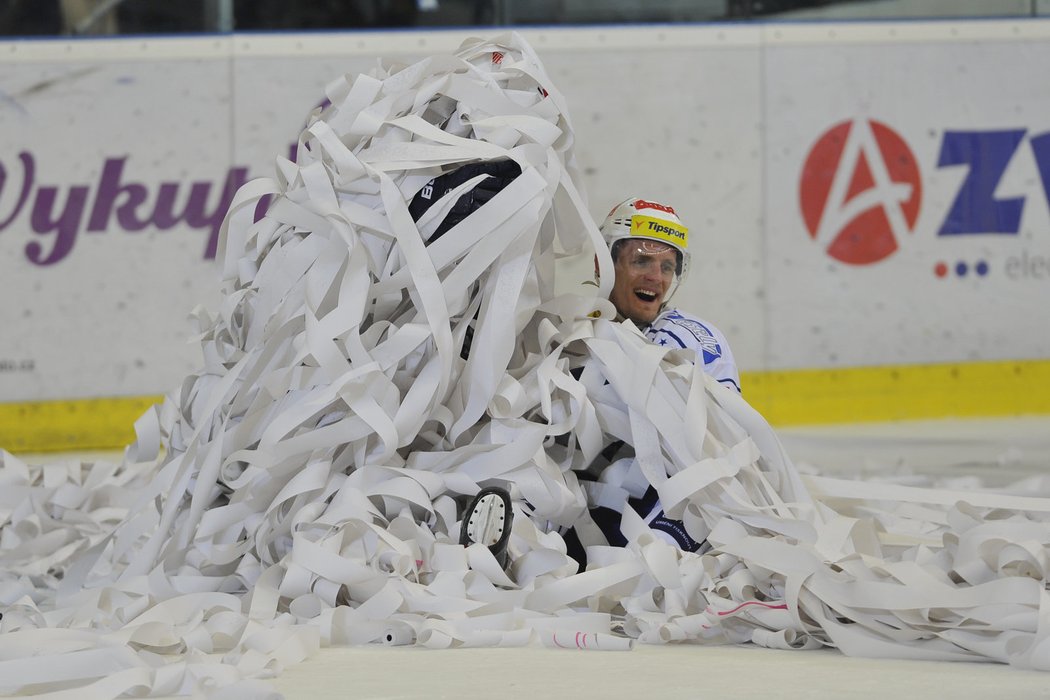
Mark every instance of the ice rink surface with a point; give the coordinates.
(646, 673)
(995, 453)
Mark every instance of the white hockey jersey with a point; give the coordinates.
(676, 329)
(681, 330)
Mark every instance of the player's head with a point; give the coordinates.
(649, 248)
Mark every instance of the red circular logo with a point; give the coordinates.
(860, 191)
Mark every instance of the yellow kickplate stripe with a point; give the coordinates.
(903, 392)
(787, 397)
(77, 424)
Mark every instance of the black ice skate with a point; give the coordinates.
(487, 520)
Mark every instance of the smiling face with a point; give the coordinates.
(644, 273)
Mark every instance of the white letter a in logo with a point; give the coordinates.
(862, 149)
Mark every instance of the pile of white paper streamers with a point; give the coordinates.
(314, 469)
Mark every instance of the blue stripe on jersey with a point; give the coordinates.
(676, 338)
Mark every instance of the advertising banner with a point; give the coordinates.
(907, 202)
(115, 178)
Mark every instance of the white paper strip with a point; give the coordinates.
(308, 486)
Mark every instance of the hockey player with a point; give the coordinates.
(649, 247)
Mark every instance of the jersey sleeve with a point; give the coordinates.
(723, 368)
